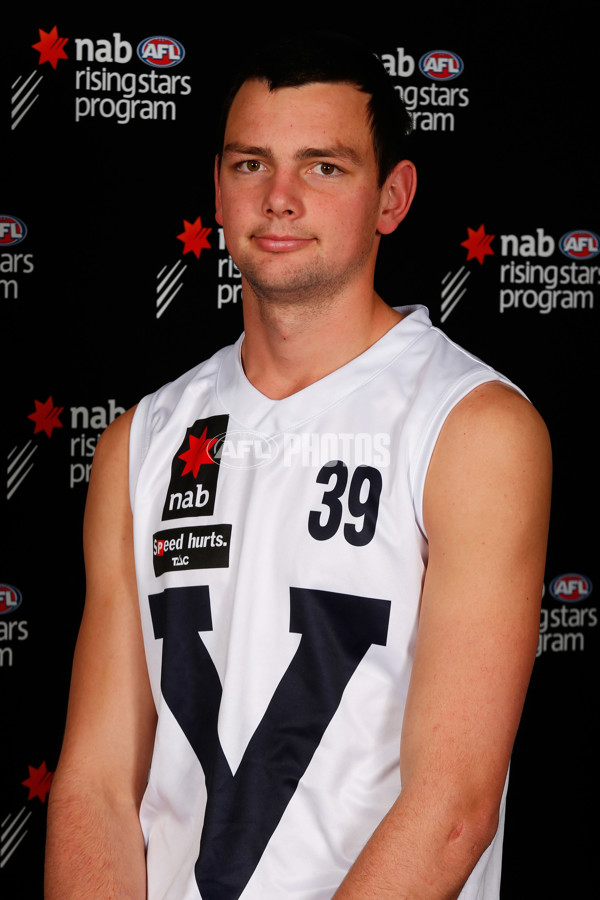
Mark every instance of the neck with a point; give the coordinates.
(288, 347)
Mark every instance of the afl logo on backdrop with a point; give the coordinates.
(580, 244)
(571, 588)
(10, 598)
(441, 65)
(160, 52)
(12, 230)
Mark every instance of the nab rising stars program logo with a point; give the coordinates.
(530, 277)
(144, 97)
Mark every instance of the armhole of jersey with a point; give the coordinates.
(138, 444)
(431, 432)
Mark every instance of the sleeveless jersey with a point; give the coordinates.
(280, 553)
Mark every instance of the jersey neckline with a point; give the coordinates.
(254, 410)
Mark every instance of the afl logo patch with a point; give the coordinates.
(441, 65)
(160, 52)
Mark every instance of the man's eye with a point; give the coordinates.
(250, 165)
(325, 168)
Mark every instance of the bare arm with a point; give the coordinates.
(486, 511)
(95, 846)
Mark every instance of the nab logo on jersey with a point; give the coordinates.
(571, 588)
(441, 65)
(580, 244)
(160, 52)
(194, 471)
(12, 231)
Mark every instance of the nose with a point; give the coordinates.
(283, 194)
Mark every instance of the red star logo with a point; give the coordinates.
(198, 453)
(38, 782)
(478, 244)
(50, 47)
(46, 416)
(194, 237)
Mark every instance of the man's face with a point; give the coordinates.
(297, 191)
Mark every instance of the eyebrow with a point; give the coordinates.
(338, 151)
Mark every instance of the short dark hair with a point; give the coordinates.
(328, 57)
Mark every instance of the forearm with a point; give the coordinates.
(418, 852)
(94, 847)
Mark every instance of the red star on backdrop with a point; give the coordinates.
(50, 47)
(478, 244)
(38, 782)
(194, 237)
(198, 453)
(46, 416)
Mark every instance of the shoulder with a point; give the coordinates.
(494, 451)
(494, 417)
(108, 491)
(113, 445)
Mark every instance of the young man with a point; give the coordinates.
(320, 653)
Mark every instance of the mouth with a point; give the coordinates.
(273, 243)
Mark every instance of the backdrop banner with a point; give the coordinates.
(115, 278)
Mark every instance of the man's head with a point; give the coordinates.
(311, 171)
(330, 58)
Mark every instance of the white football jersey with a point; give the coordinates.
(280, 554)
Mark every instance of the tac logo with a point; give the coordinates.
(12, 231)
(441, 65)
(199, 547)
(571, 588)
(580, 244)
(10, 598)
(160, 52)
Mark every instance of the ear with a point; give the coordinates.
(218, 204)
(396, 196)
